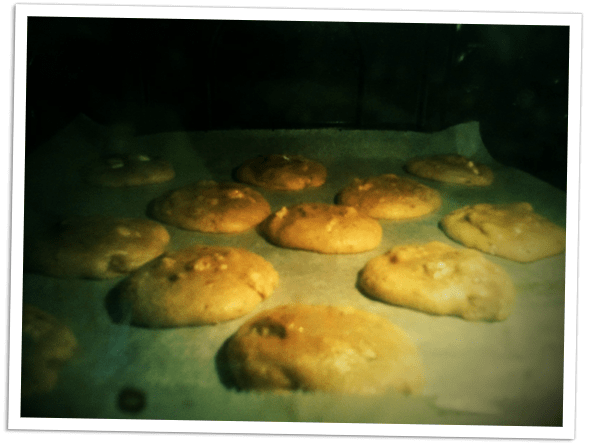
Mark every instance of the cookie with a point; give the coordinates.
(47, 346)
(119, 170)
(512, 231)
(199, 285)
(320, 227)
(451, 168)
(323, 348)
(390, 197)
(210, 206)
(441, 280)
(282, 172)
(95, 247)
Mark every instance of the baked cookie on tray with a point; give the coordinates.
(389, 196)
(441, 280)
(320, 227)
(210, 206)
(451, 168)
(282, 172)
(323, 348)
(119, 170)
(199, 285)
(95, 247)
(512, 231)
(47, 345)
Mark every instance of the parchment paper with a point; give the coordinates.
(502, 373)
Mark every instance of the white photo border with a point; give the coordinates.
(573, 20)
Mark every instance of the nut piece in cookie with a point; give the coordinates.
(198, 285)
(323, 348)
(512, 231)
(390, 197)
(282, 172)
(210, 206)
(451, 168)
(47, 346)
(95, 247)
(320, 227)
(441, 280)
(127, 170)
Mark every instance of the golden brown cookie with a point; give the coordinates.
(198, 285)
(210, 206)
(47, 346)
(390, 197)
(323, 348)
(95, 247)
(451, 168)
(512, 231)
(282, 172)
(439, 279)
(320, 227)
(120, 170)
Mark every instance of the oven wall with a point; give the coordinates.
(147, 76)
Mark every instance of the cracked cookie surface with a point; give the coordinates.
(198, 285)
(95, 247)
(441, 280)
(320, 227)
(512, 231)
(127, 170)
(210, 206)
(323, 348)
(389, 196)
(282, 172)
(451, 168)
(47, 345)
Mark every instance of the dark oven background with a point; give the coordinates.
(151, 75)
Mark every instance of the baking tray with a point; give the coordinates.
(484, 373)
